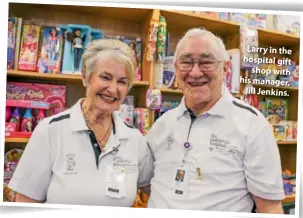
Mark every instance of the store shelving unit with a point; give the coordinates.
(134, 22)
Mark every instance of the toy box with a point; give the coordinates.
(141, 121)
(51, 51)
(248, 37)
(29, 47)
(249, 19)
(11, 41)
(279, 131)
(136, 45)
(168, 72)
(288, 24)
(76, 40)
(53, 94)
(276, 106)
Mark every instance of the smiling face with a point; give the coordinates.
(200, 86)
(107, 86)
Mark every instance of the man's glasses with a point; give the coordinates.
(206, 65)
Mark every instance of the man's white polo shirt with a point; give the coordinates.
(61, 165)
(233, 148)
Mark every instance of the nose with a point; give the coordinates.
(112, 87)
(196, 71)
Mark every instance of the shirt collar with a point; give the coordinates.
(221, 108)
(78, 123)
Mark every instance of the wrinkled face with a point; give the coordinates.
(202, 82)
(107, 86)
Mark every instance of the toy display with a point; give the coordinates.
(248, 37)
(289, 182)
(152, 36)
(52, 94)
(11, 159)
(161, 40)
(15, 118)
(76, 40)
(141, 121)
(249, 19)
(27, 124)
(11, 41)
(29, 47)
(153, 99)
(279, 131)
(51, 51)
(288, 23)
(136, 45)
(276, 106)
(169, 74)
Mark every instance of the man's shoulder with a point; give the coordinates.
(243, 108)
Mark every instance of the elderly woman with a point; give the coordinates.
(87, 155)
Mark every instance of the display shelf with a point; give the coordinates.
(286, 142)
(276, 38)
(58, 77)
(16, 140)
(171, 91)
(289, 199)
(186, 19)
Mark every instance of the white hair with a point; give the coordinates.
(203, 33)
(109, 48)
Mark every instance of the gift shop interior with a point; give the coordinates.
(43, 72)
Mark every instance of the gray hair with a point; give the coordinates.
(113, 48)
(199, 32)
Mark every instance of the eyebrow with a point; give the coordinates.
(109, 74)
(203, 55)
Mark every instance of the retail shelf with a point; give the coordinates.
(289, 199)
(58, 77)
(171, 91)
(286, 142)
(16, 140)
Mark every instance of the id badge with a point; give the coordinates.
(180, 181)
(115, 182)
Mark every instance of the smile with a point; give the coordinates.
(107, 98)
(195, 84)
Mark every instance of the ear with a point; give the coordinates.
(83, 77)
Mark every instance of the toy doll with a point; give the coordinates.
(77, 46)
(10, 44)
(52, 43)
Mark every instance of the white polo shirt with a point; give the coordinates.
(234, 147)
(62, 166)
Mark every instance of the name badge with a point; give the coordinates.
(115, 182)
(180, 181)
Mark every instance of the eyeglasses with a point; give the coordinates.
(206, 65)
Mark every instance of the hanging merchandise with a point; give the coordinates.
(153, 99)
(152, 36)
(161, 41)
(27, 124)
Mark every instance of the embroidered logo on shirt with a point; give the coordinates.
(70, 164)
(221, 145)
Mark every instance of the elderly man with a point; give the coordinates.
(225, 147)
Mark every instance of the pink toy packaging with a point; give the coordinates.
(8, 113)
(53, 94)
(29, 48)
(27, 124)
(15, 119)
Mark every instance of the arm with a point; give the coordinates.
(268, 206)
(25, 199)
(262, 167)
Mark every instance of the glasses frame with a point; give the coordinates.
(199, 65)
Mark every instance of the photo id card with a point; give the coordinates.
(115, 182)
(180, 181)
